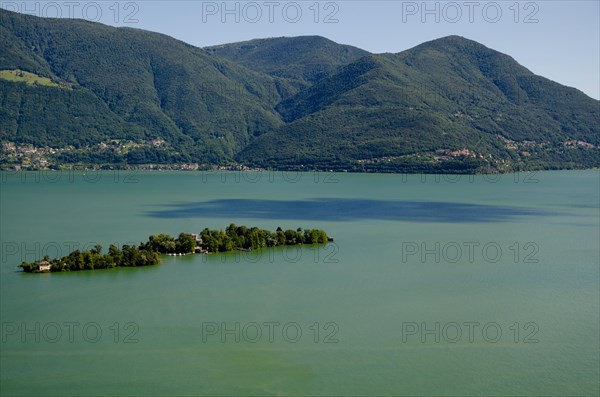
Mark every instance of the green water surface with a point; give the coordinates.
(418, 263)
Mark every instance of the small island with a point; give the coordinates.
(233, 238)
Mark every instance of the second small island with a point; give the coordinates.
(233, 238)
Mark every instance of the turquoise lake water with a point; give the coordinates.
(434, 286)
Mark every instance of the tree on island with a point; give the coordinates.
(235, 238)
(129, 256)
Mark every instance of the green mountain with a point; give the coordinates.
(121, 83)
(73, 91)
(302, 60)
(444, 105)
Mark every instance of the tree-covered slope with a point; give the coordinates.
(303, 60)
(141, 83)
(425, 108)
(57, 117)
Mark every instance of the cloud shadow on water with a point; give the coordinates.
(334, 209)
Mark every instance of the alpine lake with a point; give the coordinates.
(434, 285)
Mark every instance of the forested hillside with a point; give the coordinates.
(77, 92)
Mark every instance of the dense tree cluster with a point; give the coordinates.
(128, 256)
(166, 244)
(242, 237)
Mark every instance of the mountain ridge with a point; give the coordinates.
(469, 98)
(123, 96)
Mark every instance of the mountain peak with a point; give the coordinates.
(303, 59)
(262, 41)
(454, 38)
(464, 54)
(454, 42)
